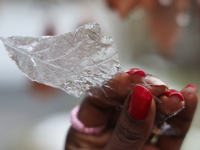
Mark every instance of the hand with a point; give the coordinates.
(131, 127)
(124, 7)
(165, 19)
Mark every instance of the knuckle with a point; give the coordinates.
(129, 136)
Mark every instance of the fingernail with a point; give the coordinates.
(123, 7)
(139, 103)
(192, 86)
(135, 70)
(171, 92)
(155, 81)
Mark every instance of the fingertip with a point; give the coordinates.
(193, 87)
(190, 93)
(172, 92)
(132, 76)
(125, 6)
(191, 101)
(171, 102)
(122, 12)
(136, 71)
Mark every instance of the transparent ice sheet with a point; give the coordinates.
(73, 62)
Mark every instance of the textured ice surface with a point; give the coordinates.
(73, 62)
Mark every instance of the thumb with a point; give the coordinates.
(135, 123)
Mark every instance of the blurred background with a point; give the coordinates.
(161, 38)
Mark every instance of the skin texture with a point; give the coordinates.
(122, 132)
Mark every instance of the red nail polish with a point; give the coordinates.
(139, 103)
(192, 86)
(171, 92)
(135, 70)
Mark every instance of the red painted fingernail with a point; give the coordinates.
(192, 86)
(171, 92)
(139, 103)
(135, 70)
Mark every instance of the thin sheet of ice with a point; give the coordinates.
(73, 62)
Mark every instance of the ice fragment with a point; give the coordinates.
(73, 62)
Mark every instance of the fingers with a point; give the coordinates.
(191, 100)
(181, 121)
(76, 140)
(123, 6)
(168, 100)
(135, 122)
(168, 104)
(96, 111)
(172, 100)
